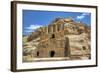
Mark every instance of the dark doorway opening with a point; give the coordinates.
(52, 53)
(84, 48)
(37, 53)
(53, 36)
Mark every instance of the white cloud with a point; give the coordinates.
(31, 28)
(28, 31)
(82, 16)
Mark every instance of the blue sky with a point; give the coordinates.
(33, 19)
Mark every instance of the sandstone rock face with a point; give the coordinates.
(62, 38)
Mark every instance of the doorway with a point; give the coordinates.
(53, 36)
(52, 53)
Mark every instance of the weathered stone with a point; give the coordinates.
(62, 38)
